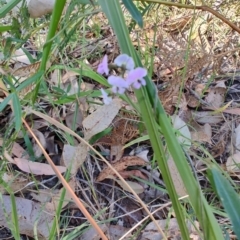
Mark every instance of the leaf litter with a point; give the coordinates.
(203, 100)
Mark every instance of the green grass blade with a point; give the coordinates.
(5, 102)
(136, 15)
(17, 112)
(148, 100)
(228, 196)
(29, 81)
(6, 28)
(59, 209)
(56, 15)
(8, 7)
(15, 224)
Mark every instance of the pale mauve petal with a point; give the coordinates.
(103, 66)
(106, 99)
(135, 75)
(117, 81)
(124, 60)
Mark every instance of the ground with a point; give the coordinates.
(193, 58)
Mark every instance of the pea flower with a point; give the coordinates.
(106, 99)
(125, 61)
(119, 85)
(136, 77)
(103, 66)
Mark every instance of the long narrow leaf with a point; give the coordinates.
(17, 112)
(29, 81)
(5, 102)
(8, 7)
(136, 15)
(229, 198)
(56, 15)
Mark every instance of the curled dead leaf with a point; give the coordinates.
(131, 173)
(120, 166)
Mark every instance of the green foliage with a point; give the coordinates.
(228, 196)
(148, 101)
(56, 15)
(136, 15)
(8, 7)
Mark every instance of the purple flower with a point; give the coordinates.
(125, 61)
(106, 99)
(119, 85)
(136, 77)
(103, 66)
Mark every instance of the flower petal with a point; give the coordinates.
(124, 60)
(137, 74)
(117, 81)
(106, 99)
(140, 82)
(103, 66)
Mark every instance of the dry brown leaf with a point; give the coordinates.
(120, 166)
(68, 76)
(74, 157)
(101, 118)
(116, 152)
(207, 117)
(29, 213)
(16, 183)
(73, 119)
(202, 133)
(124, 130)
(177, 180)
(36, 148)
(52, 206)
(43, 195)
(235, 111)
(215, 97)
(117, 231)
(27, 70)
(36, 167)
(131, 173)
(192, 101)
(138, 188)
(17, 150)
(114, 232)
(233, 163)
(91, 233)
